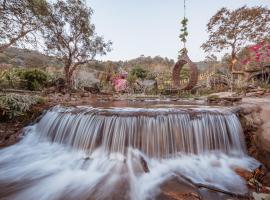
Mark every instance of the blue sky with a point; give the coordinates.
(151, 27)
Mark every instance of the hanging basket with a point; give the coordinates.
(184, 59)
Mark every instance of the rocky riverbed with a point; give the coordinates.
(254, 114)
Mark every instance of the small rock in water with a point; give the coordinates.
(243, 173)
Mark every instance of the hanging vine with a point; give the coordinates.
(184, 59)
(184, 32)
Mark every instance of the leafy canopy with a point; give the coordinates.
(234, 28)
(70, 35)
(19, 21)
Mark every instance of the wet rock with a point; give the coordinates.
(266, 180)
(172, 189)
(245, 174)
(249, 109)
(265, 137)
(260, 196)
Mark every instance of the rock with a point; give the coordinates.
(243, 173)
(85, 94)
(266, 180)
(260, 196)
(249, 109)
(255, 93)
(94, 89)
(86, 78)
(149, 85)
(265, 137)
(172, 189)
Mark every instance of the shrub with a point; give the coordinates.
(151, 76)
(13, 105)
(31, 79)
(131, 78)
(35, 79)
(139, 72)
(10, 78)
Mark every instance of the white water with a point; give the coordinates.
(42, 167)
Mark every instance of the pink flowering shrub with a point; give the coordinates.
(120, 84)
(258, 54)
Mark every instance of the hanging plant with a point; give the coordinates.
(184, 32)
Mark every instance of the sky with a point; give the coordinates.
(152, 27)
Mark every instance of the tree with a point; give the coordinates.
(19, 21)
(70, 36)
(234, 29)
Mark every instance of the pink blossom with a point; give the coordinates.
(121, 85)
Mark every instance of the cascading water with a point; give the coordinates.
(128, 153)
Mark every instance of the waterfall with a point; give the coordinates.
(90, 153)
(159, 133)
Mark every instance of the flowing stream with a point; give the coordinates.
(87, 153)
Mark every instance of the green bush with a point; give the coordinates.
(10, 78)
(13, 105)
(35, 79)
(139, 72)
(131, 78)
(31, 79)
(151, 76)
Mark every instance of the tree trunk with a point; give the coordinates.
(233, 60)
(68, 76)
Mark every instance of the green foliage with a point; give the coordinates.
(151, 76)
(70, 36)
(185, 73)
(139, 72)
(131, 78)
(14, 105)
(10, 78)
(35, 79)
(31, 79)
(184, 32)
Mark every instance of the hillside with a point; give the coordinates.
(33, 59)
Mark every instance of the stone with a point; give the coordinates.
(149, 85)
(265, 137)
(248, 109)
(260, 196)
(266, 180)
(245, 174)
(85, 94)
(86, 78)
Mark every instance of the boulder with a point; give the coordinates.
(149, 85)
(265, 137)
(260, 196)
(86, 79)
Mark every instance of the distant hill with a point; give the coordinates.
(34, 59)
(27, 58)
